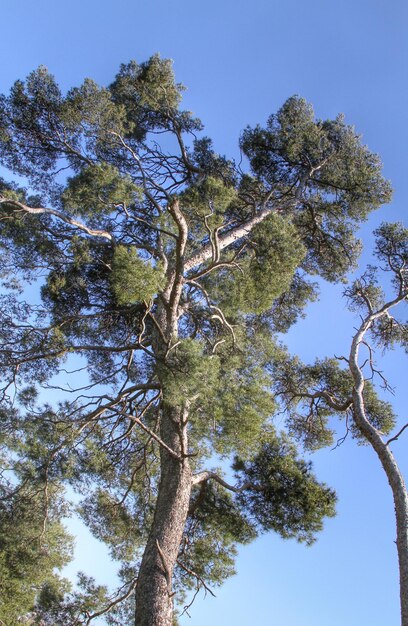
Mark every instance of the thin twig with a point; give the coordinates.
(196, 576)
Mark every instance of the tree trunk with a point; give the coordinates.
(399, 492)
(401, 514)
(154, 595)
(390, 466)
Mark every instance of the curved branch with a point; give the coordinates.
(61, 216)
(328, 398)
(202, 477)
(397, 435)
(113, 603)
(200, 580)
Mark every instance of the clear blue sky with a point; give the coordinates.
(240, 61)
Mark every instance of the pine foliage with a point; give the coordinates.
(160, 273)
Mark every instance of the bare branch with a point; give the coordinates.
(196, 576)
(61, 216)
(113, 603)
(152, 434)
(397, 435)
(329, 399)
(202, 477)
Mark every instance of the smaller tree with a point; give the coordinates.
(33, 545)
(314, 393)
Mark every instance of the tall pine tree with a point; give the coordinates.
(166, 271)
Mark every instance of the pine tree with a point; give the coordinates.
(316, 393)
(33, 541)
(166, 271)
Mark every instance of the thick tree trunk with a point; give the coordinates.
(154, 595)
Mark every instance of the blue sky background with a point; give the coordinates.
(240, 61)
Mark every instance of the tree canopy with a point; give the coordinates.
(165, 272)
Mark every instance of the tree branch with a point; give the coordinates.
(178, 272)
(328, 398)
(196, 576)
(202, 477)
(151, 433)
(61, 216)
(226, 240)
(397, 435)
(113, 603)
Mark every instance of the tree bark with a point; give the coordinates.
(401, 513)
(400, 496)
(154, 594)
(391, 469)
